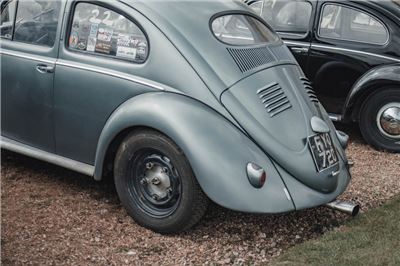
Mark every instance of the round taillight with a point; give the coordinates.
(256, 175)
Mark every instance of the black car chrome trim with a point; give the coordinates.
(112, 73)
(328, 47)
(42, 59)
(353, 51)
(24, 149)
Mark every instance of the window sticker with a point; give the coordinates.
(93, 30)
(73, 39)
(127, 52)
(91, 45)
(105, 34)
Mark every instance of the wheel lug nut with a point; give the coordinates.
(165, 170)
(155, 197)
(143, 181)
(149, 165)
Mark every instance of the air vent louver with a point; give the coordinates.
(250, 58)
(309, 89)
(274, 99)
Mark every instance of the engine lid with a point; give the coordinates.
(276, 109)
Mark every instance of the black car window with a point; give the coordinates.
(37, 21)
(240, 29)
(96, 29)
(350, 24)
(288, 16)
(7, 19)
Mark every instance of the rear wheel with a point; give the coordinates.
(380, 120)
(156, 184)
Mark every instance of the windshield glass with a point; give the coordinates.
(239, 29)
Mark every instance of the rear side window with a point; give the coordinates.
(238, 29)
(37, 22)
(7, 19)
(98, 30)
(350, 24)
(288, 16)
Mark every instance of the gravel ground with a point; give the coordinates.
(51, 216)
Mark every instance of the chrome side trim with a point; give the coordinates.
(329, 47)
(24, 149)
(302, 44)
(326, 47)
(112, 73)
(29, 57)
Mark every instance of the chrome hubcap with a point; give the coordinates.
(157, 181)
(388, 120)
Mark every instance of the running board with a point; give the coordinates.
(24, 149)
(335, 117)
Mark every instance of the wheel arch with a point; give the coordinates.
(216, 149)
(375, 80)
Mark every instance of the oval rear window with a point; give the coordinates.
(240, 29)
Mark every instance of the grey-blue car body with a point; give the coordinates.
(233, 113)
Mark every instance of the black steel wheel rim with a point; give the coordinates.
(154, 183)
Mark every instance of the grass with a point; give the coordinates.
(372, 238)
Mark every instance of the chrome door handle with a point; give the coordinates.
(41, 68)
(299, 50)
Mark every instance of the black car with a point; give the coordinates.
(350, 51)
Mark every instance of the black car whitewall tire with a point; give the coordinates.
(156, 184)
(380, 119)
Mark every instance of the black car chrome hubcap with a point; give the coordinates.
(155, 184)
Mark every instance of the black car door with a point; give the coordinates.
(348, 40)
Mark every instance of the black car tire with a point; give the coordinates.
(369, 119)
(187, 208)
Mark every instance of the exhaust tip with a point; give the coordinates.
(344, 206)
(356, 210)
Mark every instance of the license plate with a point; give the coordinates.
(323, 151)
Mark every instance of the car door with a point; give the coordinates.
(292, 20)
(104, 52)
(348, 40)
(29, 30)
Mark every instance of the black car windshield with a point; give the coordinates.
(240, 29)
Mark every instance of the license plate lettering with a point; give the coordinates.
(323, 151)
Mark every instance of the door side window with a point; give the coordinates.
(288, 16)
(98, 30)
(349, 24)
(7, 19)
(37, 22)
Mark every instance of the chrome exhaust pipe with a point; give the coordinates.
(344, 206)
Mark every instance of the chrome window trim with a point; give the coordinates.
(303, 44)
(36, 153)
(353, 51)
(328, 47)
(359, 10)
(111, 73)
(42, 59)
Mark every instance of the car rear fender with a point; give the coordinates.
(372, 81)
(217, 150)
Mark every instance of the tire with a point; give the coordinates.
(371, 120)
(156, 184)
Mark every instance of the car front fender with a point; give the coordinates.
(375, 79)
(216, 149)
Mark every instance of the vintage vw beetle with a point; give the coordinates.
(179, 108)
